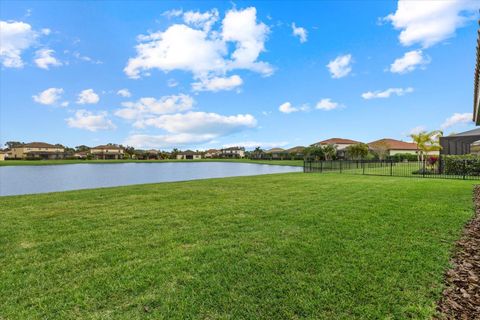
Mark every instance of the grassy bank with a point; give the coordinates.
(265, 247)
(59, 162)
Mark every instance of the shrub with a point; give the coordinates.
(462, 165)
(404, 156)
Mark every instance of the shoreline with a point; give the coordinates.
(7, 163)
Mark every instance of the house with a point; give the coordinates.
(296, 152)
(390, 147)
(467, 142)
(276, 154)
(476, 85)
(189, 155)
(212, 153)
(340, 144)
(151, 154)
(233, 152)
(460, 143)
(3, 155)
(38, 150)
(80, 155)
(107, 152)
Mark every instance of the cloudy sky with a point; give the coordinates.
(213, 74)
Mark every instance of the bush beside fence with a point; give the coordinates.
(446, 167)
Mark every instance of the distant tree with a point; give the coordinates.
(129, 150)
(329, 151)
(380, 149)
(257, 153)
(164, 155)
(357, 151)
(174, 153)
(13, 144)
(314, 152)
(82, 148)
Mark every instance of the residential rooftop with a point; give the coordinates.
(393, 144)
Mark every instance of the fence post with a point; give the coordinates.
(464, 168)
(321, 166)
(391, 167)
(363, 167)
(340, 166)
(423, 168)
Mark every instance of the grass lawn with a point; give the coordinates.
(266, 247)
(58, 162)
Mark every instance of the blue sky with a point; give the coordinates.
(212, 74)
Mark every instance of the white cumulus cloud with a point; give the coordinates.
(44, 59)
(299, 32)
(49, 96)
(457, 118)
(90, 121)
(191, 127)
(149, 107)
(386, 93)
(327, 104)
(340, 66)
(202, 123)
(15, 38)
(124, 93)
(430, 22)
(204, 20)
(217, 83)
(409, 62)
(88, 96)
(287, 107)
(206, 53)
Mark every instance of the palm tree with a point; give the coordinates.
(329, 151)
(427, 142)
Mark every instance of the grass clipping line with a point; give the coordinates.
(461, 298)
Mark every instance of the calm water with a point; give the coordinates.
(15, 180)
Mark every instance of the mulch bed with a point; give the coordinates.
(461, 298)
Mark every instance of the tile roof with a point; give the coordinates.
(275, 150)
(108, 147)
(338, 141)
(296, 149)
(37, 145)
(393, 144)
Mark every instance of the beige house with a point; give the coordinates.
(107, 152)
(38, 150)
(340, 144)
(297, 152)
(233, 152)
(212, 153)
(391, 147)
(277, 153)
(3, 155)
(189, 155)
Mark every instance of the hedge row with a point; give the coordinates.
(468, 165)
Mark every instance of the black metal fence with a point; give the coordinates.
(442, 168)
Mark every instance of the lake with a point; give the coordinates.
(16, 180)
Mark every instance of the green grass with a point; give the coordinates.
(59, 162)
(266, 247)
